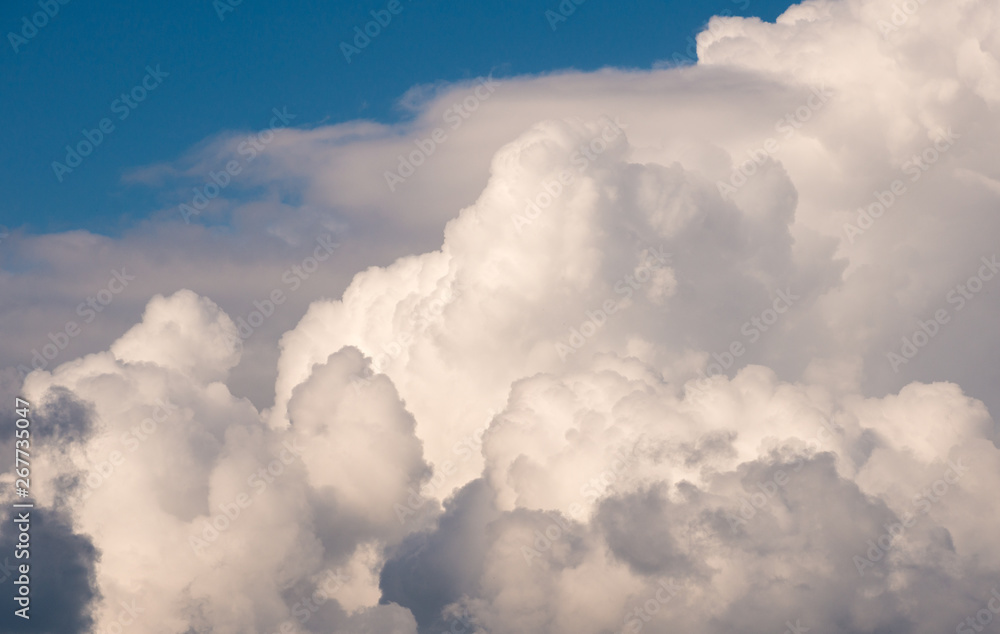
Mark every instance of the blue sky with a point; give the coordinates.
(227, 74)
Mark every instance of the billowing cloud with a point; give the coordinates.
(703, 348)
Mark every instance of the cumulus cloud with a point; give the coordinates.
(701, 348)
(191, 500)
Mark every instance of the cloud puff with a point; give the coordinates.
(217, 505)
(741, 506)
(187, 334)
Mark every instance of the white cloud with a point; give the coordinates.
(592, 270)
